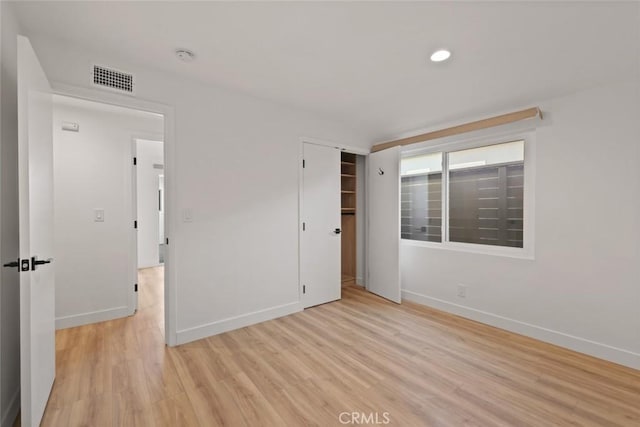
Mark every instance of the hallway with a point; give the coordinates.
(106, 373)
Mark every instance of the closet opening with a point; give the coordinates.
(352, 209)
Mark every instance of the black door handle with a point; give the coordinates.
(337, 231)
(35, 262)
(12, 264)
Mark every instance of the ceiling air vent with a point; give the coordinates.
(112, 79)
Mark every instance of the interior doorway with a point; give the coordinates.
(106, 203)
(161, 235)
(149, 170)
(352, 209)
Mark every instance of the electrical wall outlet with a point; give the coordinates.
(462, 291)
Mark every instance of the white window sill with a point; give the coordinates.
(520, 253)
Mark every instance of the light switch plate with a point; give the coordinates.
(187, 215)
(98, 215)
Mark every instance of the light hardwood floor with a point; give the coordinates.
(361, 354)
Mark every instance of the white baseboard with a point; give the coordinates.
(192, 334)
(581, 345)
(11, 412)
(91, 317)
(142, 267)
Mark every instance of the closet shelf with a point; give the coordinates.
(348, 175)
(348, 192)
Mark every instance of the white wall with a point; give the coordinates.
(582, 290)
(93, 170)
(9, 244)
(148, 153)
(236, 168)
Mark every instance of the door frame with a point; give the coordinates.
(133, 235)
(168, 111)
(325, 143)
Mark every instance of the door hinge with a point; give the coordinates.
(167, 240)
(304, 226)
(135, 288)
(135, 161)
(304, 289)
(135, 224)
(304, 164)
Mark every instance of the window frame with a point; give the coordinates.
(528, 249)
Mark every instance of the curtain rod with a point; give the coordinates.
(502, 119)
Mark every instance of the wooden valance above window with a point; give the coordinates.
(503, 119)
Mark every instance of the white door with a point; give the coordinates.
(383, 211)
(320, 243)
(37, 293)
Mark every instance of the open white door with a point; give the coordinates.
(383, 197)
(37, 292)
(320, 243)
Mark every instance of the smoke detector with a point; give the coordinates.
(185, 55)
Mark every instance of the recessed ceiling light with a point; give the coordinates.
(185, 55)
(440, 55)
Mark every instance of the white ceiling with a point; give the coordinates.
(366, 62)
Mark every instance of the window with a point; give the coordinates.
(480, 190)
(421, 198)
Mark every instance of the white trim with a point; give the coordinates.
(339, 146)
(148, 136)
(11, 413)
(171, 277)
(444, 191)
(446, 145)
(367, 195)
(581, 345)
(133, 235)
(92, 317)
(170, 217)
(473, 248)
(220, 326)
(362, 215)
(324, 143)
(107, 97)
(529, 138)
(143, 267)
(300, 212)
